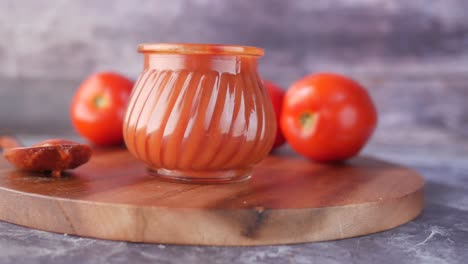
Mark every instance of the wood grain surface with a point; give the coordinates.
(288, 200)
(410, 55)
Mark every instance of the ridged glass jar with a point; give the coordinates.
(199, 112)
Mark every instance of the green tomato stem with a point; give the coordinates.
(307, 121)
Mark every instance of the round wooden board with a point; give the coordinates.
(288, 200)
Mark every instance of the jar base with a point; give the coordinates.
(204, 177)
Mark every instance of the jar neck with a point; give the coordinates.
(200, 62)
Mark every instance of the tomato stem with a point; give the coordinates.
(307, 121)
(100, 102)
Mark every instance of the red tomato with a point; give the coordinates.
(276, 96)
(327, 117)
(98, 108)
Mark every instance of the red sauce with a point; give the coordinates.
(200, 113)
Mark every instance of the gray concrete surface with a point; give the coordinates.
(411, 55)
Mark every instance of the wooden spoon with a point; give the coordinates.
(53, 155)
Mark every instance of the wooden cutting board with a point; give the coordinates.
(288, 200)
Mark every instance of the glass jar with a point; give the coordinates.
(199, 112)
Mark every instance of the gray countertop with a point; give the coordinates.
(438, 235)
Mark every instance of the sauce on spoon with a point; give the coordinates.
(53, 155)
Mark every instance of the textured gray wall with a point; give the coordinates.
(413, 56)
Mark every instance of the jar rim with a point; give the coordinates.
(196, 48)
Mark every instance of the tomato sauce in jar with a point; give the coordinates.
(199, 112)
